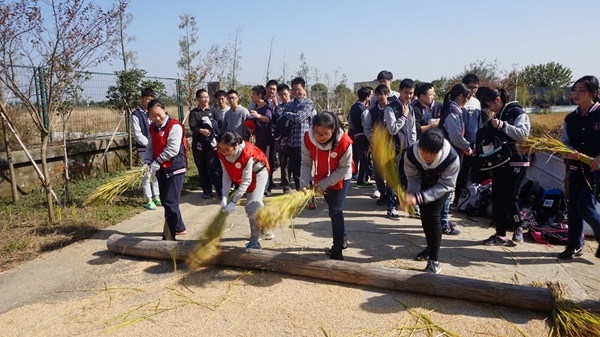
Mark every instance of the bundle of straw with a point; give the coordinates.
(109, 191)
(208, 244)
(568, 318)
(281, 208)
(386, 164)
(550, 145)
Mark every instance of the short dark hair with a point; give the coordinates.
(272, 82)
(432, 140)
(364, 92)
(382, 89)
(385, 75)
(470, 78)
(423, 88)
(299, 80)
(148, 92)
(220, 93)
(200, 91)
(261, 90)
(154, 103)
(232, 92)
(282, 87)
(407, 83)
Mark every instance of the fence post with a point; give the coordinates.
(179, 100)
(43, 99)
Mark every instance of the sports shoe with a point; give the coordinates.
(206, 195)
(570, 253)
(287, 190)
(417, 214)
(495, 240)
(433, 267)
(157, 202)
(376, 194)
(424, 255)
(268, 193)
(312, 205)
(365, 184)
(449, 230)
(344, 246)
(518, 234)
(269, 235)
(393, 214)
(151, 205)
(451, 224)
(253, 245)
(336, 254)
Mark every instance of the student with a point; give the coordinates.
(283, 90)
(431, 166)
(358, 112)
(580, 133)
(247, 166)
(424, 119)
(140, 123)
(167, 156)
(512, 122)
(386, 78)
(270, 94)
(221, 98)
(234, 118)
(271, 88)
(205, 123)
(452, 125)
(262, 116)
(472, 119)
(328, 149)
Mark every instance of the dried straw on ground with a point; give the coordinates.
(569, 319)
(208, 245)
(550, 145)
(279, 209)
(109, 191)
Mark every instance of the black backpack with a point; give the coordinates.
(530, 194)
(282, 128)
(553, 207)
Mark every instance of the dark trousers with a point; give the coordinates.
(209, 170)
(170, 193)
(362, 145)
(507, 181)
(386, 193)
(432, 227)
(582, 206)
(283, 167)
(335, 201)
(272, 159)
(294, 162)
(462, 181)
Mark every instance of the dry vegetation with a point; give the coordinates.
(550, 124)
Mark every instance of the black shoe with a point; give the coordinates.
(424, 255)
(433, 267)
(570, 253)
(449, 230)
(336, 253)
(344, 246)
(381, 201)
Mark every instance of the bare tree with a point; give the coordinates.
(236, 48)
(77, 37)
(11, 167)
(123, 39)
(284, 70)
(267, 77)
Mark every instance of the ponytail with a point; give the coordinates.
(505, 96)
(457, 90)
(230, 138)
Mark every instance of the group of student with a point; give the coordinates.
(435, 146)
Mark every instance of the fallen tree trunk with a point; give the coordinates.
(497, 293)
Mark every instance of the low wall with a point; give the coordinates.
(83, 158)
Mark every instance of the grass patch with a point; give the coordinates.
(547, 124)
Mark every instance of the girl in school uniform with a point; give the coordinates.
(328, 149)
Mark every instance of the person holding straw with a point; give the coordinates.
(167, 156)
(328, 149)
(581, 133)
(248, 167)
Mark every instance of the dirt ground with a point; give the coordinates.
(84, 290)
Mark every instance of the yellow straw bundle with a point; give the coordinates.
(550, 145)
(208, 244)
(281, 208)
(568, 318)
(109, 191)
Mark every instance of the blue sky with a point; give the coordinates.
(418, 39)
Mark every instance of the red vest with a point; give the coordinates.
(235, 169)
(328, 161)
(159, 141)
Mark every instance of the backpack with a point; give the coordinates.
(530, 194)
(491, 148)
(485, 200)
(553, 207)
(528, 217)
(549, 233)
(282, 128)
(469, 198)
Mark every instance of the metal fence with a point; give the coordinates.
(91, 117)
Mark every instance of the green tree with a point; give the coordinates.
(318, 94)
(549, 75)
(125, 95)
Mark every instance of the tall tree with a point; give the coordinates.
(284, 70)
(236, 57)
(549, 75)
(128, 57)
(268, 75)
(304, 69)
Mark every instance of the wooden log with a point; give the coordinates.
(496, 293)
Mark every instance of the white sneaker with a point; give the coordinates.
(268, 193)
(376, 194)
(269, 235)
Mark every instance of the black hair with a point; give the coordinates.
(423, 88)
(491, 95)
(432, 140)
(470, 78)
(382, 89)
(148, 92)
(407, 83)
(364, 92)
(591, 84)
(272, 82)
(232, 92)
(299, 80)
(230, 138)
(154, 103)
(385, 75)
(282, 87)
(261, 90)
(220, 93)
(200, 91)
(329, 120)
(457, 90)
(480, 92)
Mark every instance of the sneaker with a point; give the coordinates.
(287, 190)
(253, 245)
(157, 202)
(206, 195)
(518, 234)
(417, 214)
(269, 235)
(268, 193)
(365, 184)
(344, 246)
(449, 230)
(312, 205)
(451, 224)
(424, 255)
(495, 240)
(336, 254)
(355, 177)
(570, 253)
(376, 194)
(393, 214)
(151, 205)
(433, 267)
